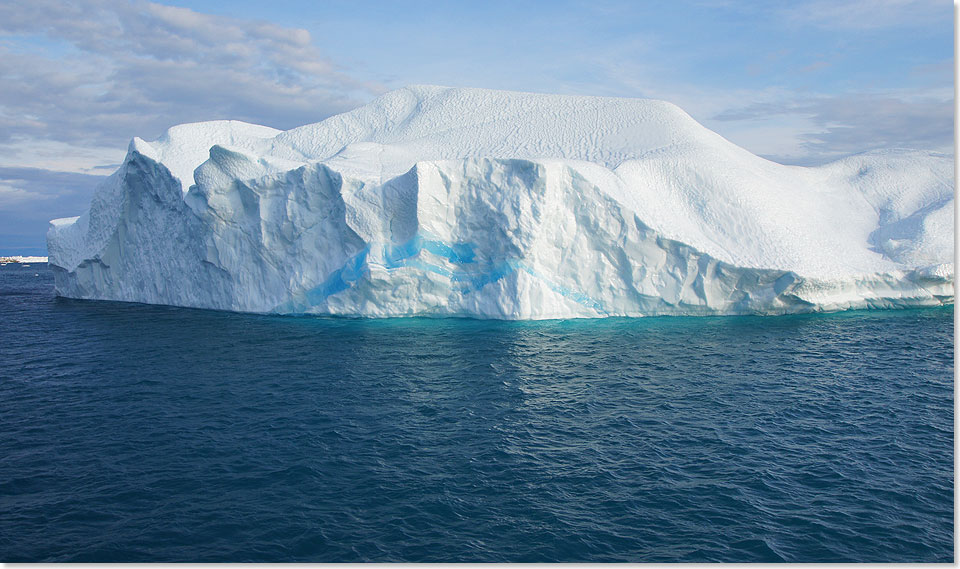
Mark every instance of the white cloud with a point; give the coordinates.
(61, 156)
(848, 123)
(30, 197)
(117, 69)
(11, 195)
(867, 14)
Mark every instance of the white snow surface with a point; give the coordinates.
(468, 202)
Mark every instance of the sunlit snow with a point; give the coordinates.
(495, 204)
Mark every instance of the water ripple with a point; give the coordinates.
(139, 433)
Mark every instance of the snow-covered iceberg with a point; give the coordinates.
(468, 202)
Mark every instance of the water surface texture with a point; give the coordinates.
(144, 433)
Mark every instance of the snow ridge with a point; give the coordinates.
(467, 202)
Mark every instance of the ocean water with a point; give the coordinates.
(142, 433)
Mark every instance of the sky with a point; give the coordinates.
(799, 82)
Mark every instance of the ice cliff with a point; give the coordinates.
(438, 201)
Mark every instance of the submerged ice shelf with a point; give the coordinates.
(469, 202)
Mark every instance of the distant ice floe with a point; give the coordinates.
(467, 202)
(22, 259)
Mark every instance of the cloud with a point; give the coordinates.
(854, 123)
(31, 197)
(857, 122)
(10, 195)
(19, 185)
(866, 15)
(98, 72)
(815, 66)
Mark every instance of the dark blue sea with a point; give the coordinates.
(142, 433)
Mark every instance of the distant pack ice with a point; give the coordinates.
(466, 202)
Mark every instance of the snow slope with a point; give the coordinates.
(439, 201)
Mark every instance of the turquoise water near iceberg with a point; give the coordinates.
(144, 433)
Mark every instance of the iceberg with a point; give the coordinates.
(433, 201)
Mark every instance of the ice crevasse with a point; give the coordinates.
(437, 201)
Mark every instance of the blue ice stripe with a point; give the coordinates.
(404, 255)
